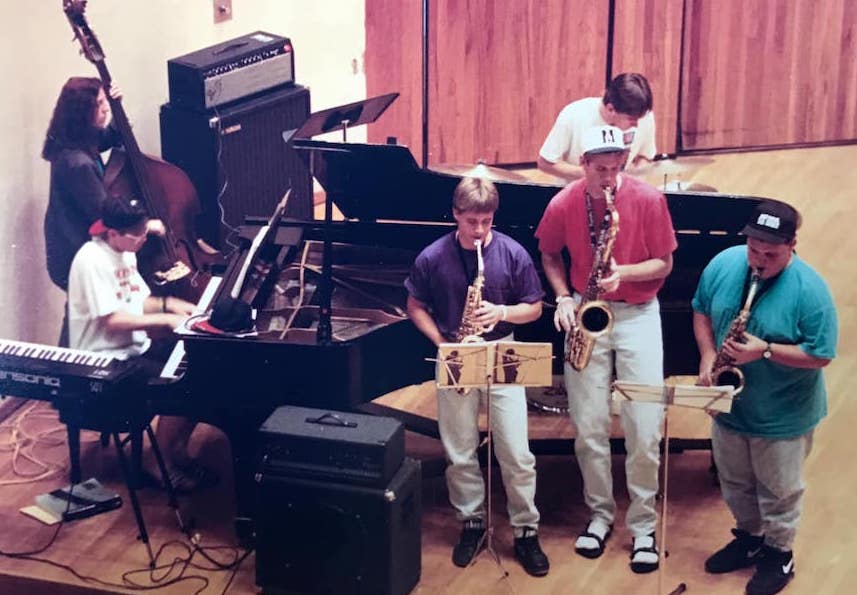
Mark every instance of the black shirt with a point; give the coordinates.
(76, 195)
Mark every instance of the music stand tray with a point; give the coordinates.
(708, 398)
(345, 116)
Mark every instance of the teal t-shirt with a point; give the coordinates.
(794, 308)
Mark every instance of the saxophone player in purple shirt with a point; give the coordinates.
(511, 294)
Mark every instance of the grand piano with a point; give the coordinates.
(346, 277)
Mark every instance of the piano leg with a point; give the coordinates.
(244, 465)
(242, 432)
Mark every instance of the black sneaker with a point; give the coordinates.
(529, 553)
(468, 543)
(776, 568)
(742, 552)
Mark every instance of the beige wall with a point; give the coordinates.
(37, 55)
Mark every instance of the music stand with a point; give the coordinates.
(341, 117)
(345, 116)
(708, 398)
(483, 365)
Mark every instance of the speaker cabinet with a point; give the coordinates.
(237, 158)
(317, 537)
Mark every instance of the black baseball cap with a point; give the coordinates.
(119, 213)
(773, 221)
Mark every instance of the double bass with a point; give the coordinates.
(177, 263)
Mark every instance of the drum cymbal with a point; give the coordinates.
(680, 165)
(479, 170)
(679, 186)
(697, 187)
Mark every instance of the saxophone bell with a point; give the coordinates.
(729, 376)
(595, 318)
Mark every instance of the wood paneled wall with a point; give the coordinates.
(499, 72)
(647, 39)
(393, 61)
(726, 74)
(502, 70)
(759, 72)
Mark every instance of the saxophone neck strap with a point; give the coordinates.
(596, 236)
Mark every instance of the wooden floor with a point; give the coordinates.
(820, 182)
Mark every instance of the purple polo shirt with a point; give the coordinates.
(438, 279)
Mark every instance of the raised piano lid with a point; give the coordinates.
(372, 182)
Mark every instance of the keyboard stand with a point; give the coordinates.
(75, 474)
(133, 423)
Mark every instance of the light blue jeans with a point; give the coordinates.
(762, 482)
(637, 343)
(458, 418)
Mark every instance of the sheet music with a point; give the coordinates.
(254, 247)
(517, 363)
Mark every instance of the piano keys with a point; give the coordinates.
(176, 364)
(85, 387)
(45, 372)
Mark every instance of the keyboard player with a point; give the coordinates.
(112, 311)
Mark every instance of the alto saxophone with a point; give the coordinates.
(593, 317)
(469, 331)
(724, 372)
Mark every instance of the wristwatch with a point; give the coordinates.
(767, 353)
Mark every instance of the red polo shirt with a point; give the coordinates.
(645, 231)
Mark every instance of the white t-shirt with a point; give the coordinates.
(563, 141)
(103, 281)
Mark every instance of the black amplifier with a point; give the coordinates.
(344, 447)
(324, 538)
(231, 70)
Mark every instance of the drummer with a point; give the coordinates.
(626, 104)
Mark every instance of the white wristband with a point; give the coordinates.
(505, 310)
(560, 299)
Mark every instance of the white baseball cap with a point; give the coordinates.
(602, 139)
